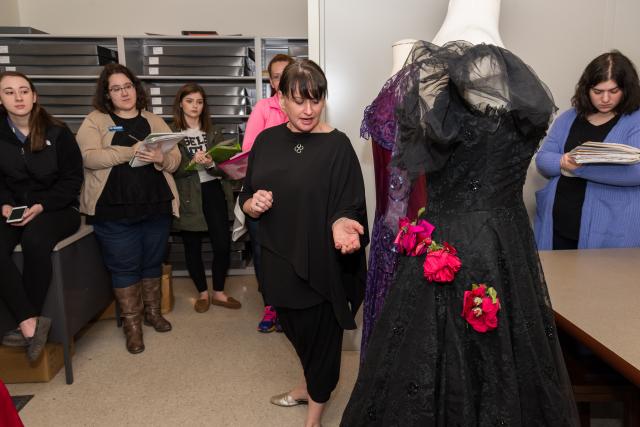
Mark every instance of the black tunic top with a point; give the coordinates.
(315, 179)
(133, 192)
(567, 206)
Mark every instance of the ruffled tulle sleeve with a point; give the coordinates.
(459, 90)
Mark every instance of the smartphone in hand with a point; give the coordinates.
(17, 214)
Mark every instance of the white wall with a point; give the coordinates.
(557, 38)
(9, 13)
(125, 17)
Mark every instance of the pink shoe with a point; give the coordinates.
(268, 322)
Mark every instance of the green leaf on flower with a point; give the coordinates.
(493, 294)
(474, 286)
(421, 211)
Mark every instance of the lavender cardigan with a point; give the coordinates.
(611, 209)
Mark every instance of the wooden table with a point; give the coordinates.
(595, 294)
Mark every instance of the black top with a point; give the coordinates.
(51, 177)
(133, 192)
(567, 206)
(315, 179)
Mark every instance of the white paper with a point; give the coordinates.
(156, 101)
(154, 60)
(153, 71)
(166, 141)
(154, 91)
(601, 152)
(4, 49)
(157, 110)
(5, 59)
(157, 50)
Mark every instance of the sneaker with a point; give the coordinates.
(278, 326)
(268, 323)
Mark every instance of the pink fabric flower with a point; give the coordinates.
(413, 239)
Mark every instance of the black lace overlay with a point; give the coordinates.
(425, 366)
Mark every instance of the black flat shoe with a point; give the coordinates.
(39, 338)
(14, 338)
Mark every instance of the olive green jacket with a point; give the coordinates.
(188, 184)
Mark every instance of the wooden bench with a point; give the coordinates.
(80, 290)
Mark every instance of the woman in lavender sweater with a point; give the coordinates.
(599, 206)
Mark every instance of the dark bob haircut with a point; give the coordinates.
(178, 115)
(608, 66)
(102, 99)
(303, 78)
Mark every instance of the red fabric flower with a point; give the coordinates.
(480, 308)
(441, 265)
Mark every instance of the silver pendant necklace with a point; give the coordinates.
(298, 148)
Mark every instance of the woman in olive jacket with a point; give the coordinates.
(203, 204)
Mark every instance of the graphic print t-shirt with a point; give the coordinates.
(195, 140)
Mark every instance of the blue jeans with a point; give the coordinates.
(133, 249)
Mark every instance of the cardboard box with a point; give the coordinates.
(16, 368)
(168, 299)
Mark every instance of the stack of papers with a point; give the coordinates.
(166, 141)
(605, 152)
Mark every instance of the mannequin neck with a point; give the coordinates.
(474, 21)
(400, 51)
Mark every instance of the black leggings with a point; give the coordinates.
(317, 339)
(214, 207)
(24, 294)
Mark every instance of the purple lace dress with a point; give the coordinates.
(395, 197)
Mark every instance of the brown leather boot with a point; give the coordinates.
(130, 303)
(151, 295)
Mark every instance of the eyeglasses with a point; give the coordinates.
(119, 89)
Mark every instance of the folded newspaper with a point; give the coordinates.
(166, 141)
(605, 152)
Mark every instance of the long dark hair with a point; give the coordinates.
(305, 77)
(608, 66)
(101, 99)
(39, 119)
(280, 57)
(178, 115)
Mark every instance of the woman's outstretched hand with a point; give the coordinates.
(346, 235)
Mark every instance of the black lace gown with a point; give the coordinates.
(472, 118)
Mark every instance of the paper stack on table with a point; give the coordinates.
(166, 141)
(609, 152)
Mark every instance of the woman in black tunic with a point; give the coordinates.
(305, 185)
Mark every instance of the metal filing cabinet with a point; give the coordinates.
(230, 69)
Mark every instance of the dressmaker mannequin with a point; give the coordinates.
(475, 21)
(400, 51)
